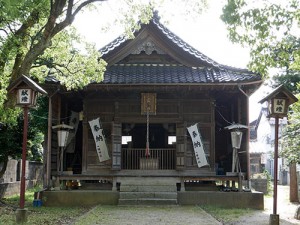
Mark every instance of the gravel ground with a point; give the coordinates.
(190, 215)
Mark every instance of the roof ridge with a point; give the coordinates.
(147, 64)
(156, 21)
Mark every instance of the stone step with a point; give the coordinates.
(148, 191)
(148, 188)
(148, 201)
(146, 195)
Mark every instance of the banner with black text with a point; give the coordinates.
(198, 145)
(99, 138)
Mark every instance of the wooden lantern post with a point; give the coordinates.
(62, 137)
(236, 140)
(26, 91)
(278, 102)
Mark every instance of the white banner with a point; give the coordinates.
(99, 138)
(198, 145)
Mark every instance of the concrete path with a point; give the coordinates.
(146, 215)
(285, 209)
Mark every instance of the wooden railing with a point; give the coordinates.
(159, 159)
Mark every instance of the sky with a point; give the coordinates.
(207, 34)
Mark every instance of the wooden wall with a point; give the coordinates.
(113, 109)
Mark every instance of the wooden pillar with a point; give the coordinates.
(49, 146)
(85, 138)
(180, 145)
(116, 135)
(182, 187)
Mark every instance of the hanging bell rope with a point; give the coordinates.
(147, 153)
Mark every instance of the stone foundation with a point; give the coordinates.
(224, 199)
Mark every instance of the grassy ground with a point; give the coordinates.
(225, 215)
(38, 215)
(106, 214)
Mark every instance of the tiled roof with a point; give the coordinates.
(172, 74)
(112, 45)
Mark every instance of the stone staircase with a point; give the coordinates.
(148, 191)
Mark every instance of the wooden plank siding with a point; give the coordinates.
(113, 111)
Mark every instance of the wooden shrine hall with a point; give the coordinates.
(154, 128)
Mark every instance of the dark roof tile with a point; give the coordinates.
(171, 74)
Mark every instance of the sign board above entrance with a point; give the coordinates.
(148, 103)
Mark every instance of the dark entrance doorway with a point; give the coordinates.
(158, 136)
(162, 154)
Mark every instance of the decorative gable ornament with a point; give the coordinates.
(148, 47)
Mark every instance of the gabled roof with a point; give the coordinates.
(189, 65)
(162, 32)
(24, 80)
(280, 91)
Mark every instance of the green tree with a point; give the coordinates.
(35, 38)
(11, 139)
(291, 141)
(270, 30)
(291, 147)
(290, 80)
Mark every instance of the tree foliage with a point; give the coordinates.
(269, 28)
(291, 140)
(11, 139)
(35, 38)
(289, 80)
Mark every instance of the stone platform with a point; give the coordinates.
(254, 200)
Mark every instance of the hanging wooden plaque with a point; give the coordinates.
(148, 102)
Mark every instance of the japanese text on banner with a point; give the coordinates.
(198, 145)
(99, 138)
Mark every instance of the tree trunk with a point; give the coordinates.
(4, 166)
(2, 171)
(293, 183)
